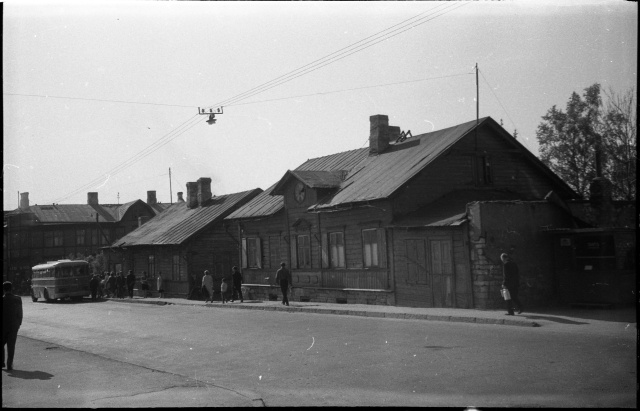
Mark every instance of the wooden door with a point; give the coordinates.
(442, 273)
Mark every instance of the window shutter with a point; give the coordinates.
(244, 253)
(382, 248)
(325, 250)
(294, 252)
(259, 252)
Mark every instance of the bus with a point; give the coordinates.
(60, 279)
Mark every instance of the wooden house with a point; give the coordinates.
(404, 221)
(186, 239)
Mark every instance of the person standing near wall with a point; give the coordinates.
(237, 285)
(207, 286)
(283, 277)
(94, 283)
(11, 322)
(160, 285)
(511, 281)
(131, 282)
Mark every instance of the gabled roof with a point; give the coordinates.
(263, 205)
(376, 177)
(312, 179)
(79, 213)
(179, 223)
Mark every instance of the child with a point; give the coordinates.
(223, 290)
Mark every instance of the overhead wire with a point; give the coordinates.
(271, 84)
(95, 99)
(339, 55)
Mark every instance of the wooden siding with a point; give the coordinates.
(418, 291)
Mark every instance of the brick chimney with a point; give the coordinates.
(192, 195)
(151, 198)
(180, 199)
(204, 190)
(92, 198)
(24, 200)
(381, 133)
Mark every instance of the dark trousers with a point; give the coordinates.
(9, 339)
(237, 291)
(514, 302)
(130, 290)
(284, 286)
(94, 293)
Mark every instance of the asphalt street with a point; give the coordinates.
(287, 358)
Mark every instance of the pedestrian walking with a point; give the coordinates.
(207, 286)
(94, 283)
(120, 285)
(511, 281)
(131, 282)
(283, 277)
(144, 285)
(11, 322)
(101, 285)
(160, 285)
(223, 290)
(237, 285)
(112, 286)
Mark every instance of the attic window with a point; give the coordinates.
(483, 170)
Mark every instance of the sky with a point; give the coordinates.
(103, 97)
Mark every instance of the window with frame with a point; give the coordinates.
(304, 251)
(336, 250)
(251, 252)
(370, 247)
(274, 251)
(80, 237)
(58, 238)
(48, 238)
(484, 174)
(151, 265)
(94, 236)
(176, 271)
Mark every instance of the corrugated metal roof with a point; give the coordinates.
(79, 213)
(178, 223)
(379, 176)
(262, 205)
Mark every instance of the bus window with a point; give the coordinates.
(81, 271)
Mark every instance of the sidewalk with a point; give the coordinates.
(526, 319)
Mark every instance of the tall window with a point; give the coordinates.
(80, 237)
(336, 249)
(152, 265)
(57, 238)
(304, 251)
(484, 172)
(370, 247)
(104, 236)
(251, 252)
(94, 236)
(176, 271)
(48, 238)
(274, 251)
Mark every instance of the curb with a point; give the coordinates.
(356, 313)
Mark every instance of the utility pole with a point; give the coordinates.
(170, 192)
(477, 107)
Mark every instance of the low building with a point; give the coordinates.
(186, 239)
(410, 220)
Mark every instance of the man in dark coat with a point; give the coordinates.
(283, 277)
(131, 282)
(511, 281)
(11, 322)
(237, 284)
(93, 286)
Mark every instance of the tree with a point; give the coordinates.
(591, 139)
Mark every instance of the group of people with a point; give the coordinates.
(227, 294)
(112, 285)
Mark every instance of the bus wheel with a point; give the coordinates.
(45, 294)
(33, 296)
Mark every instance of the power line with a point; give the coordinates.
(259, 89)
(345, 90)
(330, 60)
(95, 99)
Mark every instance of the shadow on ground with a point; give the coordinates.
(29, 375)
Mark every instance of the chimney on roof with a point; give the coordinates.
(151, 198)
(192, 195)
(204, 190)
(24, 200)
(381, 133)
(92, 198)
(180, 199)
